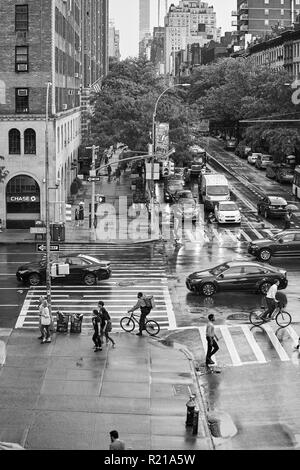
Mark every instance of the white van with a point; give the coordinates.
(214, 188)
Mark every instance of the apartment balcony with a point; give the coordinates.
(234, 13)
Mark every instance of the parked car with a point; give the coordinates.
(83, 269)
(272, 206)
(263, 160)
(285, 174)
(227, 213)
(236, 275)
(252, 157)
(242, 150)
(171, 185)
(230, 144)
(285, 244)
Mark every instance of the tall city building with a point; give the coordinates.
(113, 41)
(191, 22)
(144, 23)
(57, 41)
(255, 18)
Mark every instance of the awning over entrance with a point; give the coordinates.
(23, 206)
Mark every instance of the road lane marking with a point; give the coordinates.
(276, 343)
(236, 361)
(2, 353)
(253, 344)
(231, 235)
(244, 234)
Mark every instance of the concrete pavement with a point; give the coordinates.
(63, 395)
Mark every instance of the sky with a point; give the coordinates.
(125, 14)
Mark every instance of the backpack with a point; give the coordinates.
(150, 302)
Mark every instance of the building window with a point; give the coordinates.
(282, 11)
(14, 139)
(266, 11)
(22, 100)
(21, 17)
(266, 22)
(29, 142)
(22, 59)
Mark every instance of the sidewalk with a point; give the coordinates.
(75, 234)
(63, 395)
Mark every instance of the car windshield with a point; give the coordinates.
(219, 269)
(228, 207)
(174, 186)
(217, 190)
(89, 259)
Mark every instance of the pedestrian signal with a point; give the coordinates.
(100, 198)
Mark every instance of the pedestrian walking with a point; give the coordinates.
(105, 325)
(118, 175)
(45, 323)
(106, 160)
(41, 300)
(145, 308)
(96, 336)
(287, 220)
(81, 214)
(116, 443)
(76, 217)
(109, 172)
(212, 345)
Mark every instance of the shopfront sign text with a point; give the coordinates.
(23, 199)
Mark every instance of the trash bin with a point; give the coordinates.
(57, 232)
(76, 323)
(62, 322)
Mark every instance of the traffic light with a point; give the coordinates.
(166, 169)
(171, 167)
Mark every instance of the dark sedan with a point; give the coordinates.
(236, 276)
(83, 269)
(272, 206)
(286, 244)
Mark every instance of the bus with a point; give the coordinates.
(296, 182)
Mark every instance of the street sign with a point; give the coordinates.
(42, 248)
(93, 178)
(38, 230)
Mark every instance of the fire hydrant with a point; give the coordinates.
(190, 409)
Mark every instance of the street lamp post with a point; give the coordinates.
(152, 185)
(48, 264)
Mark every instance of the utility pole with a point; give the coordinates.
(93, 173)
(48, 239)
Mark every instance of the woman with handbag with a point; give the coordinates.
(45, 323)
(106, 325)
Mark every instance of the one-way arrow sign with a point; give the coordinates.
(42, 248)
(93, 178)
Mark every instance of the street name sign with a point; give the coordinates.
(42, 248)
(93, 178)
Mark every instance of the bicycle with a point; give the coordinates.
(128, 324)
(282, 317)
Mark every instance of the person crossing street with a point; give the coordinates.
(212, 345)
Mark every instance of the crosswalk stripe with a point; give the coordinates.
(293, 334)
(276, 343)
(231, 235)
(253, 344)
(236, 361)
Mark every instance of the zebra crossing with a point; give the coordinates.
(134, 269)
(227, 236)
(244, 345)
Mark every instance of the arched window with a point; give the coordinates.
(14, 138)
(29, 142)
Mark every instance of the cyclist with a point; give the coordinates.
(145, 310)
(271, 301)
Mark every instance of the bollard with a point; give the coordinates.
(195, 422)
(190, 408)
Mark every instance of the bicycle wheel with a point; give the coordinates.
(256, 318)
(127, 324)
(283, 318)
(152, 327)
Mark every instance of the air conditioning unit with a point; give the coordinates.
(65, 106)
(76, 75)
(70, 92)
(22, 92)
(22, 67)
